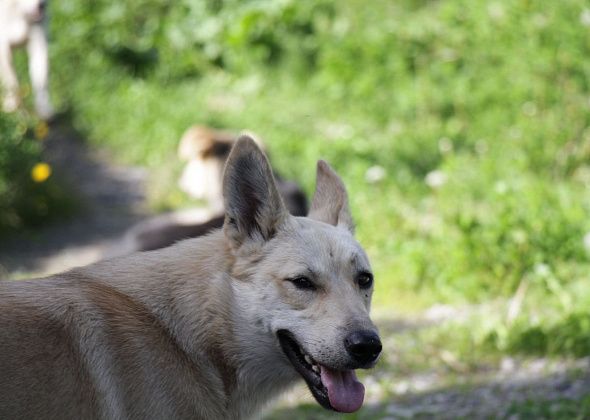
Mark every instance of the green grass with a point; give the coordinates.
(492, 96)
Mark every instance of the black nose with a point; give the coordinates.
(363, 346)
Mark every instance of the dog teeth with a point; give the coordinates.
(310, 362)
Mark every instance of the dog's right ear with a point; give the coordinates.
(254, 209)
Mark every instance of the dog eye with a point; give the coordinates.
(364, 280)
(302, 283)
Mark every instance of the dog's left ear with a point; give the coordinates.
(254, 209)
(330, 200)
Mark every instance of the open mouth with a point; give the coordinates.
(337, 390)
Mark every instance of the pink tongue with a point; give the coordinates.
(345, 392)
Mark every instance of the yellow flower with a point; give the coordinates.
(40, 172)
(41, 130)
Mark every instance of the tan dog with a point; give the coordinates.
(210, 328)
(22, 22)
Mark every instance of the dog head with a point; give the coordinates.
(308, 275)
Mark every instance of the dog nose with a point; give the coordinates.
(363, 346)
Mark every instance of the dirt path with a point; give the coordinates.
(112, 199)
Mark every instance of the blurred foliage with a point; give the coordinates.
(172, 41)
(29, 196)
(562, 408)
(476, 115)
(570, 335)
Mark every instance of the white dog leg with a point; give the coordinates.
(8, 80)
(39, 69)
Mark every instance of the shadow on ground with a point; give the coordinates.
(110, 199)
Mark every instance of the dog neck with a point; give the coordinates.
(245, 355)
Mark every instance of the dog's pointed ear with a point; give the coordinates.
(254, 209)
(330, 200)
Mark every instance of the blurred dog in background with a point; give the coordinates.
(22, 23)
(206, 151)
